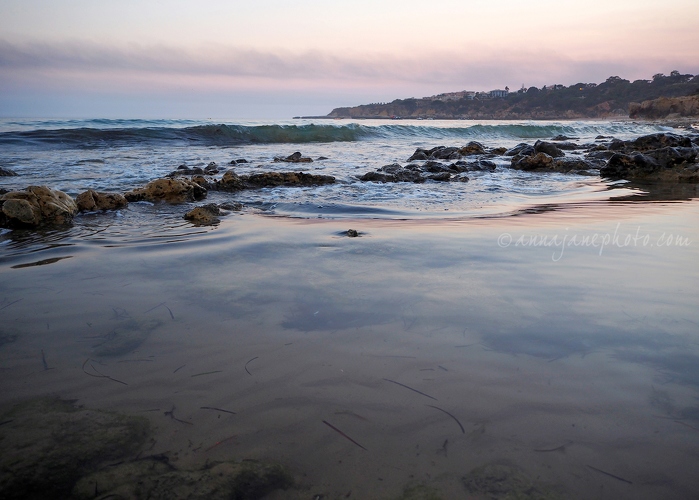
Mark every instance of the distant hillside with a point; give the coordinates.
(611, 98)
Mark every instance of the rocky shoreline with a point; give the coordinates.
(656, 158)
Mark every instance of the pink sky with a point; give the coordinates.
(108, 58)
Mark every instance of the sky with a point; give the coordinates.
(272, 59)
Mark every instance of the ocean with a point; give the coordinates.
(530, 333)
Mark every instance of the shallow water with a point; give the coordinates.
(563, 359)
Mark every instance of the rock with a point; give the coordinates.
(168, 190)
(504, 481)
(352, 233)
(472, 148)
(539, 161)
(550, 149)
(239, 160)
(156, 478)
(233, 182)
(321, 158)
(658, 141)
(296, 157)
(206, 215)
(230, 182)
(498, 151)
(622, 166)
(289, 179)
(664, 107)
(574, 165)
(6, 172)
(47, 445)
(419, 155)
(563, 138)
(35, 206)
(91, 201)
(520, 149)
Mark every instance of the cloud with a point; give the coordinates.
(133, 67)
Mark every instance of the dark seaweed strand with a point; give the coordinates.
(343, 434)
(217, 409)
(463, 431)
(610, 474)
(206, 373)
(178, 369)
(43, 360)
(250, 361)
(414, 390)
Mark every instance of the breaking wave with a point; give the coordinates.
(97, 133)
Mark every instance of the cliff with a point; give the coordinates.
(613, 98)
(666, 107)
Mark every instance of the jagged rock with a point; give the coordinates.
(92, 200)
(664, 107)
(419, 155)
(36, 205)
(273, 179)
(233, 182)
(239, 160)
(6, 172)
(520, 149)
(660, 140)
(550, 149)
(206, 215)
(561, 137)
(472, 148)
(538, 161)
(296, 157)
(168, 190)
(574, 165)
(352, 233)
(622, 166)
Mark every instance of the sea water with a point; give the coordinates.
(546, 322)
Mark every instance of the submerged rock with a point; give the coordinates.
(205, 215)
(35, 206)
(47, 445)
(168, 190)
(503, 481)
(6, 172)
(156, 478)
(91, 201)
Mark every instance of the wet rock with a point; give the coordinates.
(520, 149)
(561, 138)
(498, 151)
(206, 215)
(321, 158)
(657, 141)
(91, 201)
(239, 160)
(538, 161)
(6, 172)
(46, 446)
(568, 146)
(35, 206)
(621, 166)
(575, 165)
(645, 167)
(472, 148)
(440, 177)
(296, 157)
(290, 179)
(549, 148)
(233, 182)
(504, 481)
(352, 233)
(419, 155)
(168, 190)
(157, 479)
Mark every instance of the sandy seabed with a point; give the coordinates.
(410, 355)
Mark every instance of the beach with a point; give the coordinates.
(543, 324)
